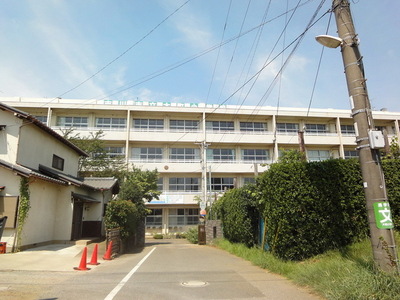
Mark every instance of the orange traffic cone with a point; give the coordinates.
(107, 256)
(93, 261)
(82, 265)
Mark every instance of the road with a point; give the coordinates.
(167, 269)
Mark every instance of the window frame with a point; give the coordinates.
(253, 127)
(145, 154)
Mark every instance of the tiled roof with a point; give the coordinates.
(27, 172)
(102, 183)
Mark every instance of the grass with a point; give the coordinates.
(348, 274)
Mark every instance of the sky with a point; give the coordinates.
(237, 52)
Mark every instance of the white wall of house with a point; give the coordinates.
(11, 183)
(38, 147)
(9, 136)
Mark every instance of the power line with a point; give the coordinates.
(123, 53)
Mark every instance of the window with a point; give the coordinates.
(186, 184)
(183, 125)
(184, 154)
(58, 163)
(316, 128)
(221, 154)
(248, 180)
(222, 184)
(147, 154)
(183, 216)
(160, 184)
(154, 218)
(255, 155)
(113, 152)
(347, 129)
(287, 127)
(110, 123)
(148, 124)
(318, 155)
(350, 154)
(253, 126)
(79, 122)
(42, 119)
(220, 126)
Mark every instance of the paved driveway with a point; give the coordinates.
(166, 269)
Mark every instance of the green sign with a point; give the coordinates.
(383, 216)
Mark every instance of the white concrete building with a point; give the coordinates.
(238, 141)
(62, 207)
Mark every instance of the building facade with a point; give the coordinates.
(202, 150)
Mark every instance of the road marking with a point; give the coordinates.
(119, 286)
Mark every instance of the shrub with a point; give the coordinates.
(122, 214)
(192, 235)
(312, 207)
(158, 236)
(239, 213)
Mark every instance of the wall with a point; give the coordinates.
(37, 147)
(9, 137)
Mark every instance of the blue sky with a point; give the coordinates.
(167, 50)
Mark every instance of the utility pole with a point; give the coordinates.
(382, 239)
(203, 154)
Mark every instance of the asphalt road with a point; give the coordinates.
(167, 269)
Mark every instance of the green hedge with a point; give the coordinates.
(391, 169)
(312, 207)
(239, 213)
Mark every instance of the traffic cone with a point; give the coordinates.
(93, 261)
(82, 265)
(107, 256)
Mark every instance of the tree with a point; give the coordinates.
(140, 186)
(98, 163)
(289, 156)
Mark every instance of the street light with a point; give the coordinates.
(329, 41)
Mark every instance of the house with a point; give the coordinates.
(200, 150)
(39, 164)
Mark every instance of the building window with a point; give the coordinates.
(58, 163)
(78, 122)
(221, 155)
(249, 180)
(316, 128)
(160, 184)
(219, 184)
(220, 126)
(154, 218)
(147, 154)
(42, 119)
(183, 216)
(253, 126)
(287, 127)
(110, 123)
(350, 154)
(318, 155)
(184, 125)
(148, 124)
(114, 152)
(347, 129)
(186, 184)
(255, 155)
(184, 154)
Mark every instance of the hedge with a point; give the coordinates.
(239, 213)
(312, 207)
